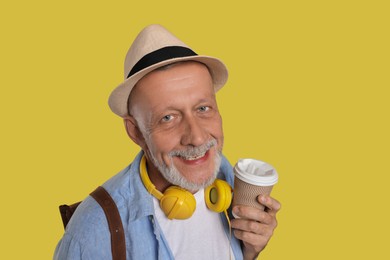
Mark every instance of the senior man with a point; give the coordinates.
(173, 199)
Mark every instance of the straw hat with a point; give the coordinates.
(155, 47)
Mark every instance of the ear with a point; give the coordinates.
(134, 132)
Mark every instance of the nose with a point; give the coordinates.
(194, 133)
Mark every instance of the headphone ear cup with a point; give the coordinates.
(177, 203)
(218, 196)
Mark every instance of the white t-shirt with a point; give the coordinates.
(202, 236)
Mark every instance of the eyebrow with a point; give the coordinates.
(170, 107)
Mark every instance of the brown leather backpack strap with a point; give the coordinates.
(118, 244)
(67, 212)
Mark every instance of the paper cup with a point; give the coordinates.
(252, 178)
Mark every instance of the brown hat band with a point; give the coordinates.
(165, 53)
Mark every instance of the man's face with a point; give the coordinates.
(177, 114)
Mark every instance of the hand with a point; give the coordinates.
(255, 227)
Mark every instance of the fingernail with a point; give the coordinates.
(263, 199)
(236, 210)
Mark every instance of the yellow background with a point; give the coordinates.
(308, 93)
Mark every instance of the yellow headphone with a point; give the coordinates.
(178, 203)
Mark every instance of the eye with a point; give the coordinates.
(167, 118)
(203, 108)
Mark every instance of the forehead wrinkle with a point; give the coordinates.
(178, 107)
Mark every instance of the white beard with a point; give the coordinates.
(172, 175)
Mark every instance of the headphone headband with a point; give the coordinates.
(146, 180)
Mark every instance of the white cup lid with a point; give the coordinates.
(256, 172)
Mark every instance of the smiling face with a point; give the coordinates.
(175, 120)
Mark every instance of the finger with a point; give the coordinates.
(255, 214)
(271, 204)
(252, 227)
(251, 238)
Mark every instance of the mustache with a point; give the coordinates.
(194, 151)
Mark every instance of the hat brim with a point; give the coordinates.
(118, 100)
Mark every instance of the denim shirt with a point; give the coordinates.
(87, 235)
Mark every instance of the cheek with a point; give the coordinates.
(217, 130)
(161, 144)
